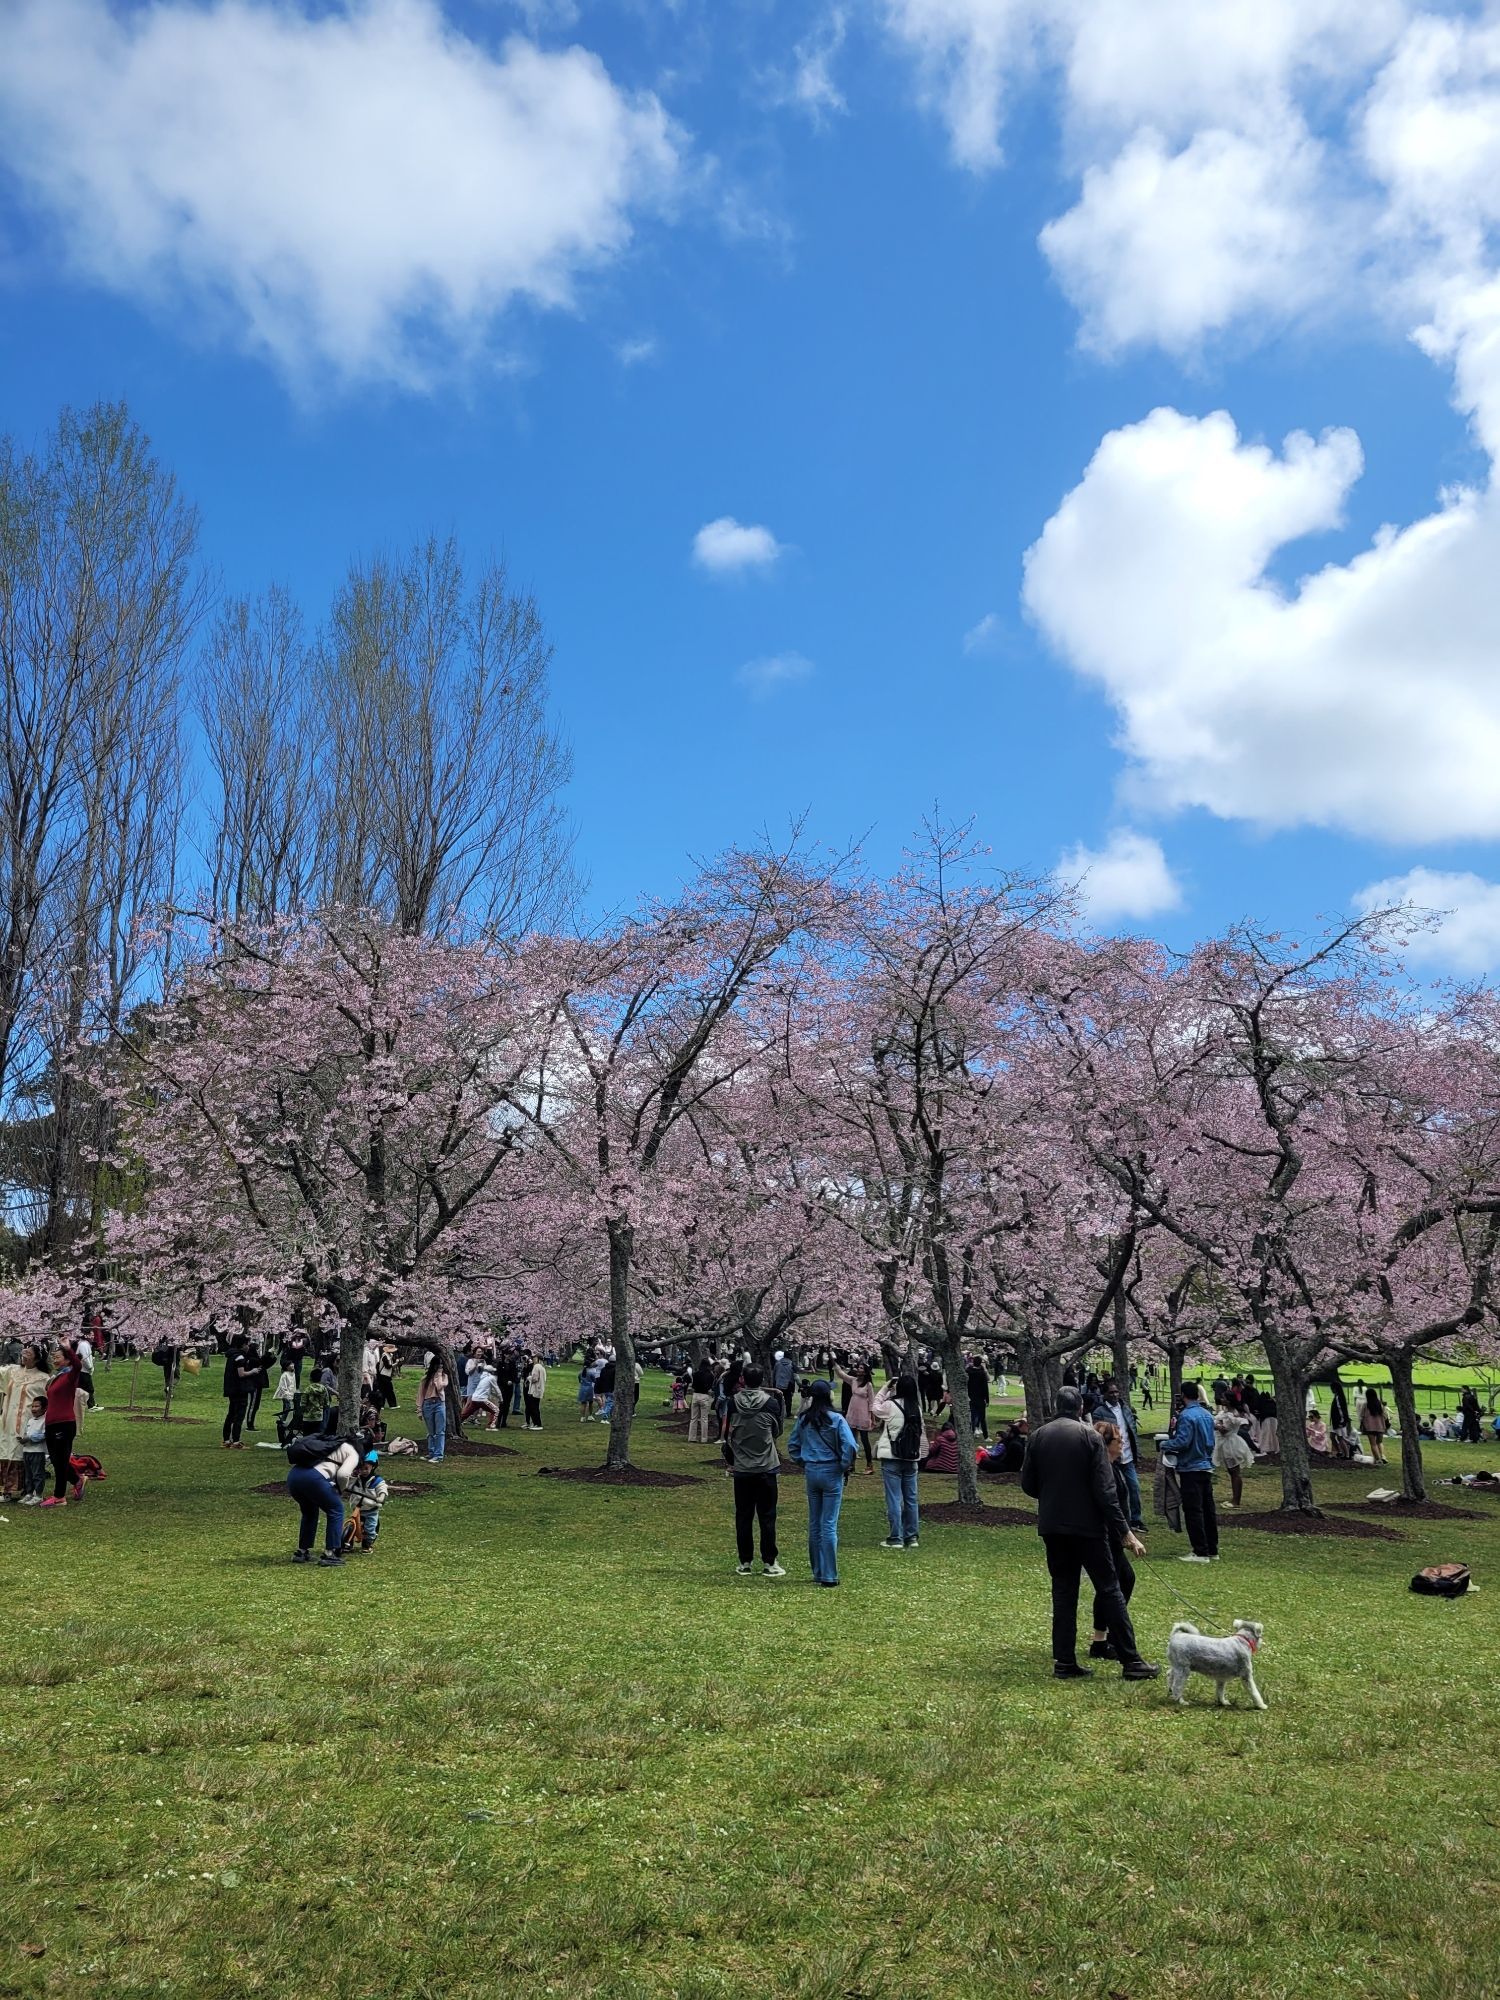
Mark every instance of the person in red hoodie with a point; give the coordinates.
(62, 1425)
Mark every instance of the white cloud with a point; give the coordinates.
(763, 677)
(1365, 698)
(727, 547)
(1168, 246)
(1465, 935)
(987, 636)
(809, 83)
(1127, 877)
(633, 353)
(357, 189)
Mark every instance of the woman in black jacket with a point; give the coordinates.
(1100, 1647)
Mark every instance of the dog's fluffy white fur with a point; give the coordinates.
(1223, 1660)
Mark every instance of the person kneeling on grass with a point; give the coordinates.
(322, 1472)
(750, 1448)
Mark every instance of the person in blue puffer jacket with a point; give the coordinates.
(823, 1445)
(1191, 1443)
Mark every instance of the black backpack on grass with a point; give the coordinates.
(1442, 1580)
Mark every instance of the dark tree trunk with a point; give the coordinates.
(1119, 1346)
(351, 1372)
(1041, 1379)
(621, 1246)
(1291, 1414)
(1176, 1355)
(958, 1395)
(1404, 1394)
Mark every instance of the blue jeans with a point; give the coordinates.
(1133, 1484)
(316, 1495)
(516, 1394)
(900, 1477)
(435, 1416)
(825, 1496)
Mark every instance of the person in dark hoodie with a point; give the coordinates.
(750, 1447)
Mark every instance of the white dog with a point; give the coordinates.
(1224, 1660)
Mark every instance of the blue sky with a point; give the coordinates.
(795, 280)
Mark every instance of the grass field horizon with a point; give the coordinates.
(545, 1740)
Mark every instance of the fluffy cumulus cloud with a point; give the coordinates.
(727, 547)
(357, 189)
(1462, 912)
(1127, 877)
(777, 670)
(1365, 697)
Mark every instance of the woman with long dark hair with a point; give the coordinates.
(900, 1449)
(432, 1401)
(823, 1445)
(62, 1425)
(1374, 1423)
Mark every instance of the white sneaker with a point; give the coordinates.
(745, 1569)
(1195, 1559)
(773, 1569)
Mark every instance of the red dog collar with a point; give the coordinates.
(1248, 1639)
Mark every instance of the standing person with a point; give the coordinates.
(34, 1452)
(432, 1403)
(320, 1488)
(61, 1415)
(588, 1376)
(858, 1415)
(284, 1398)
(1472, 1414)
(901, 1447)
(294, 1351)
(784, 1379)
(1191, 1443)
(822, 1443)
(258, 1359)
(701, 1401)
(1270, 1425)
(754, 1426)
(1068, 1473)
(85, 1395)
(1374, 1423)
(1231, 1451)
(1101, 1647)
(518, 1385)
(385, 1380)
(240, 1370)
(1114, 1406)
(977, 1377)
(507, 1374)
(1340, 1430)
(20, 1382)
(536, 1388)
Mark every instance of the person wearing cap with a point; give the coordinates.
(1068, 1473)
(823, 1445)
(368, 1495)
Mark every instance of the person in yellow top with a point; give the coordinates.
(19, 1382)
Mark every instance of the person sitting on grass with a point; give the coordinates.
(1008, 1452)
(942, 1453)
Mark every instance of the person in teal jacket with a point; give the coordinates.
(823, 1445)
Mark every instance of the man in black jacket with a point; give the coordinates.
(1068, 1473)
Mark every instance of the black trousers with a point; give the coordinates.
(1125, 1571)
(755, 1495)
(1198, 1515)
(234, 1417)
(59, 1440)
(1068, 1557)
(533, 1410)
(979, 1418)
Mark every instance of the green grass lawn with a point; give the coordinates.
(545, 1741)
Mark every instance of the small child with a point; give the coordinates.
(34, 1452)
(367, 1496)
(680, 1383)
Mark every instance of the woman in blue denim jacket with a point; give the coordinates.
(823, 1445)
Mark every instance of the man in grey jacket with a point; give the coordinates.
(754, 1426)
(1068, 1473)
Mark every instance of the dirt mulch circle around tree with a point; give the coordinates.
(955, 1514)
(478, 1448)
(630, 1475)
(401, 1489)
(1277, 1523)
(1412, 1510)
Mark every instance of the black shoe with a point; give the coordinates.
(1069, 1670)
(1140, 1670)
(1101, 1649)
(301, 1556)
(330, 1560)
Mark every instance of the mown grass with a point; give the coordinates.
(546, 1742)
